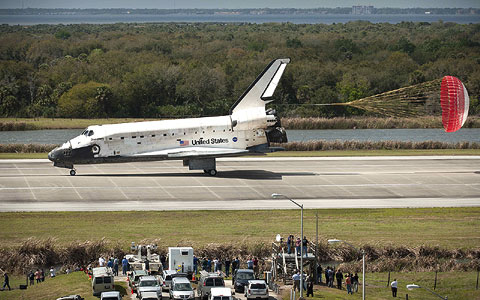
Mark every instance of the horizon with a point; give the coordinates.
(226, 4)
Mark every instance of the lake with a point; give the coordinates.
(243, 18)
(414, 135)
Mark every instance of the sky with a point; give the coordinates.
(233, 4)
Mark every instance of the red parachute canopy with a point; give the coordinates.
(455, 102)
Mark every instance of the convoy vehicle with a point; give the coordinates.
(71, 297)
(149, 296)
(181, 259)
(166, 279)
(134, 277)
(241, 278)
(181, 289)
(102, 280)
(208, 281)
(256, 289)
(149, 284)
(114, 295)
(220, 294)
(144, 258)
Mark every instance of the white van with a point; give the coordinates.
(102, 280)
(181, 289)
(220, 294)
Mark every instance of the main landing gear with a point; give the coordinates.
(73, 172)
(212, 172)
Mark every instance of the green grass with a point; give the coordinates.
(455, 285)
(53, 288)
(450, 228)
(330, 153)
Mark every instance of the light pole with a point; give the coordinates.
(416, 286)
(333, 241)
(278, 196)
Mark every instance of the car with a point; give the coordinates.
(208, 281)
(149, 296)
(220, 294)
(181, 289)
(113, 295)
(166, 279)
(256, 289)
(134, 277)
(149, 284)
(241, 278)
(71, 297)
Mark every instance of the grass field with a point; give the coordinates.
(330, 153)
(58, 123)
(455, 285)
(53, 288)
(450, 228)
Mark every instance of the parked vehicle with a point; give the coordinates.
(220, 293)
(208, 281)
(181, 289)
(149, 284)
(256, 289)
(134, 277)
(114, 295)
(166, 279)
(102, 280)
(149, 296)
(241, 278)
(181, 259)
(71, 297)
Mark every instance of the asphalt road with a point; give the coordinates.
(243, 183)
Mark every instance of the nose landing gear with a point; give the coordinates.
(212, 172)
(73, 172)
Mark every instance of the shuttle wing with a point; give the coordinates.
(193, 152)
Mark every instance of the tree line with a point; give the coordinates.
(200, 69)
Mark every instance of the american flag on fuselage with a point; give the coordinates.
(184, 143)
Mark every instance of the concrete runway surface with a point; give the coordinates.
(244, 183)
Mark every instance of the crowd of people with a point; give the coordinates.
(227, 265)
(301, 246)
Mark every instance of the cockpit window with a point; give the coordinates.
(84, 132)
(90, 133)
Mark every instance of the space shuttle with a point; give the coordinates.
(248, 129)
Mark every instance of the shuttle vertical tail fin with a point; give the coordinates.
(262, 89)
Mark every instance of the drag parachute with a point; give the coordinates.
(455, 102)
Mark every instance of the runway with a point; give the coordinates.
(244, 183)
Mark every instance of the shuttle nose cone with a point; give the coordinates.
(53, 155)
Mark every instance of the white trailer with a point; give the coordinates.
(180, 259)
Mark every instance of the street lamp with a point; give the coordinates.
(334, 241)
(416, 286)
(278, 196)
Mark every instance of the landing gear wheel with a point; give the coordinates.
(212, 172)
(73, 172)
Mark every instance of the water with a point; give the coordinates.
(414, 135)
(184, 18)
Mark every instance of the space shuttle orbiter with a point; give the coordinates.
(197, 141)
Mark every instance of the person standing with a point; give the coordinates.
(227, 266)
(319, 273)
(348, 284)
(305, 244)
(331, 275)
(110, 263)
(355, 283)
(298, 244)
(101, 262)
(310, 288)
(37, 276)
(394, 285)
(219, 265)
(52, 272)
(115, 266)
(209, 265)
(31, 277)
(289, 244)
(124, 265)
(339, 276)
(255, 266)
(296, 281)
(250, 264)
(6, 281)
(195, 265)
(42, 275)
